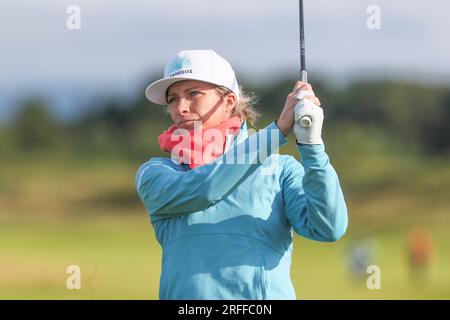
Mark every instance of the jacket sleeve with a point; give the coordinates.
(167, 192)
(314, 202)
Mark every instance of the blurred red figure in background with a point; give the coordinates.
(420, 250)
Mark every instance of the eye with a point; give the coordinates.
(171, 100)
(194, 93)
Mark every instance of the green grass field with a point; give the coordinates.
(55, 214)
(120, 259)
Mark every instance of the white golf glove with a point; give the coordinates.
(305, 107)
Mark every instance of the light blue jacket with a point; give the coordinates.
(226, 229)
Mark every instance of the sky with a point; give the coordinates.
(123, 44)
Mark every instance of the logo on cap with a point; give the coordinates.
(179, 65)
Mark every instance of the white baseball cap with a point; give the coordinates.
(200, 65)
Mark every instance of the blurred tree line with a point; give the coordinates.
(415, 115)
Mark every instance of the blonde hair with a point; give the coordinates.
(245, 107)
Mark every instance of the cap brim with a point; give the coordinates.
(156, 92)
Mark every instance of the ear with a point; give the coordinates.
(230, 99)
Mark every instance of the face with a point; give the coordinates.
(190, 101)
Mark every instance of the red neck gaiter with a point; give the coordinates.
(198, 146)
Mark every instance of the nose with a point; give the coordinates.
(182, 106)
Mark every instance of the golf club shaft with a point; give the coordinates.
(302, 41)
(305, 121)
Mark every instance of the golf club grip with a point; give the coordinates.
(305, 121)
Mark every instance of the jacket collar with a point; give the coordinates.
(232, 139)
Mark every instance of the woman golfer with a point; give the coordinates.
(223, 203)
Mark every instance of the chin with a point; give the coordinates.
(188, 128)
(189, 125)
